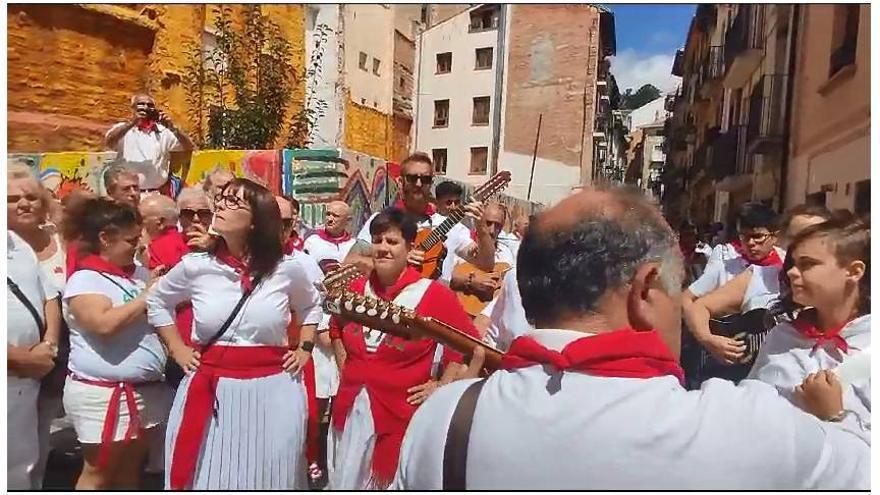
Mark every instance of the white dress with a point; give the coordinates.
(595, 433)
(256, 440)
(787, 357)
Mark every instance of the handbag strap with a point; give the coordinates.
(458, 437)
(117, 284)
(41, 325)
(237, 309)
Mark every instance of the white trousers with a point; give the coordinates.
(23, 441)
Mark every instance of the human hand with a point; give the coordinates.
(420, 393)
(165, 120)
(295, 360)
(41, 360)
(197, 238)
(724, 349)
(474, 210)
(416, 257)
(821, 394)
(486, 283)
(187, 358)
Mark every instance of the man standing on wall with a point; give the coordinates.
(144, 143)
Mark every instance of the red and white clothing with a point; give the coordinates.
(114, 389)
(323, 246)
(238, 422)
(370, 413)
(794, 350)
(167, 249)
(507, 318)
(147, 149)
(574, 411)
(725, 263)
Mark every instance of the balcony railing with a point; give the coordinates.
(746, 33)
(728, 154)
(766, 124)
(713, 64)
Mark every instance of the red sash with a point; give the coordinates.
(217, 362)
(808, 330)
(624, 353)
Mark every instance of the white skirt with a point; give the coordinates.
(86, 407)
(22, 447)
(326, 373)
(350, 452)
(255, 442)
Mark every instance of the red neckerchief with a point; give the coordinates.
(805, 326)
(771, 259)
(241, 268)
(294, 243)
(408, 276)
(323, 234)
(430, 209)
(146, 125)
(98, 264)
(623, 353)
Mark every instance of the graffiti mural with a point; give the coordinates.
(263, 166)
(67, 171)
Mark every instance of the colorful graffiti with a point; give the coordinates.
(67, 171)
(261, 166)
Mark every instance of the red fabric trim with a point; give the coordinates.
(217, 362)
(323, 234)
(313, 421)
(98, 264)
(71, 258)
(295, 243)
(620, 353)
(429, 210)
(771, 259)
(240, 267)
(146, 125)
(111, 418)
(808, 330)
(166, 249)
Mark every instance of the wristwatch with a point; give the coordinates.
(307, 346)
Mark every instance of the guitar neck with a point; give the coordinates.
(439, 233)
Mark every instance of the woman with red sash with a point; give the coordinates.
(384, 379)
(114, 393)
(239, 417)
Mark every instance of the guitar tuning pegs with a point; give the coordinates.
(360, 308)
(371, 305)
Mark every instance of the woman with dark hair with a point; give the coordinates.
(382, 378)
(831, 292)
(114, 393)
(239, 416)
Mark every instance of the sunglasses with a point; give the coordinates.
(414, 178)
(205, 216)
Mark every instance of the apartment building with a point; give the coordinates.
(489, 75)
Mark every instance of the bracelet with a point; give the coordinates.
(307, 346)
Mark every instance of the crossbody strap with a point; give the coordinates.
(458, 437)
(41, 325)
(117, 284)
(235, 311)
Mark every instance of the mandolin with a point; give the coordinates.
(473, 300)
(431, 240)
(395, 320)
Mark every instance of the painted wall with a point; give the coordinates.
(459, 86)
(369, 29)
(328, 132)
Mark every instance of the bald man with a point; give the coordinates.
(598, 381)
(330, 244)
(162, 245)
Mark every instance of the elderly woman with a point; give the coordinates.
(383, 379)
(239, 416)
(114, 393)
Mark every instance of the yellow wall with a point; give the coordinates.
(367, 130)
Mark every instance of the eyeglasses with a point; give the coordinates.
(414, 178)
(757, 238)
(205, 216)
(231, 202)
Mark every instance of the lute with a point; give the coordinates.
(431, 240)
(393, 319)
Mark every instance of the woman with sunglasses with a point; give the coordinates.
(384, 379)
(114, 394)
(239, 416)
(830, 293)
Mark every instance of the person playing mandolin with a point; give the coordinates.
(416, 177)
(384, 379)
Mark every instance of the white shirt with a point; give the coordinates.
(786, 358)
(148, 153)
(511, 241)
(55, 267)
(23, 269)
(506, 313)
(763, 288)
(597, 433)
(320, 250)
(214, 289)
(723, 266)
(133, 354)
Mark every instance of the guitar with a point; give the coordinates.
(431, 240)
(475, 301)
(751, 328)
(395, 320)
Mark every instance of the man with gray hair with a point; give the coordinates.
(592, 399)
(122, 185)
(145, 141)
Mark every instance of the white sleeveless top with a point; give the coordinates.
(55, 268)
(763, 289)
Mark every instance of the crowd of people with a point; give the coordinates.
(186, 334)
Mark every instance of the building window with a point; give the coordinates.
(844, 37)
(402, 82)
(444, 63)
(483, 58)
(439, 157)
(479, 160)
(484, 18)
(481, 110)
(362, 61)
(441, 113)
(425, 14)
(376, 64)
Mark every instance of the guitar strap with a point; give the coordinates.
(458, 438)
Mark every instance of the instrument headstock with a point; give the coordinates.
(493, 186)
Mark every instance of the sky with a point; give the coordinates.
(647, 38)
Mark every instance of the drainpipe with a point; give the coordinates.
(499, 87)
(789, 105)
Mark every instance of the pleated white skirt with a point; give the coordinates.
(255, 442)
(350, 452)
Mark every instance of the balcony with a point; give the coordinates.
(712, 71)
(678, 63)
(727, 155)
(744, 45)
(766, 125)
